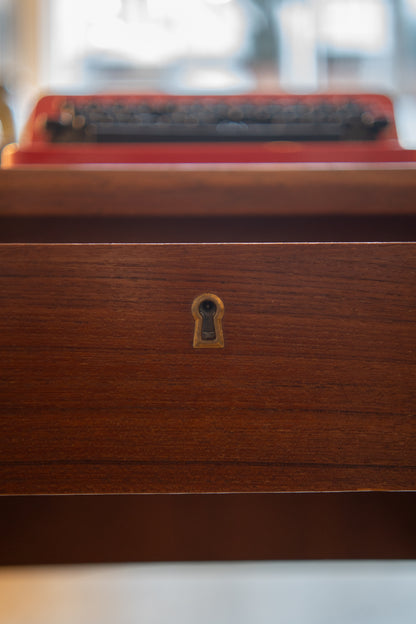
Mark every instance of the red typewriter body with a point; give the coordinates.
(38, 147)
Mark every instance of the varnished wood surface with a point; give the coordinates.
(102, 391)
(221, 191)
(107, 529)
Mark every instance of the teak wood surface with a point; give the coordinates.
(103, 392)
(209, 191)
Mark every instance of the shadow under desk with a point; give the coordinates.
(303, 424)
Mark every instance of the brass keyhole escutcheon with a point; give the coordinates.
(208, 310)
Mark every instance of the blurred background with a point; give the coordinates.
(209, 46)
(212, 593)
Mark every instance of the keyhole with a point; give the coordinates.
(207, 310)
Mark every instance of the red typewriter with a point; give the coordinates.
(129, 129)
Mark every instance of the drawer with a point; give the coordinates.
(103, 391)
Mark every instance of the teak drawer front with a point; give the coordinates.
(102, 391)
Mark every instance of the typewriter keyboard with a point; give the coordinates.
(196, 119)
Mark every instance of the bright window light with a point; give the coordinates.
(411, 5)
(354, 25)
(150, 33)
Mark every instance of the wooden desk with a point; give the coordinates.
(314, 390)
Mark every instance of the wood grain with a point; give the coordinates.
(102, 391)
(221, 191)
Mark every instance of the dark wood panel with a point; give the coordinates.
(236, 229)
(102, 391)
(105, 529)
(186, 190)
